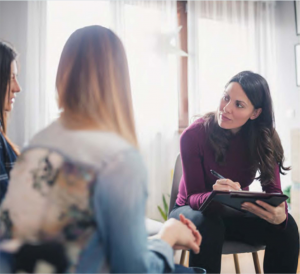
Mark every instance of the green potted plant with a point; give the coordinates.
(287, 192)
(165, 211)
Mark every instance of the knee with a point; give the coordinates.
(212, 225)
(292, 228)
(289, 233)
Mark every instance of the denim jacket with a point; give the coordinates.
(118, 240)
(7, 160)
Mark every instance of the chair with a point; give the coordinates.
(229, 247)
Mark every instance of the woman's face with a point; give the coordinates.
(235, 108)
(13, 88)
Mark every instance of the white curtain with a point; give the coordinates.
(36, 99)
(63, 18)
(227, 37)
(150, 35)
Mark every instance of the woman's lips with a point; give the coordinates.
(224, 118)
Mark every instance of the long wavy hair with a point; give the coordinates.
(7, 56)
(93, 83)
(263, 142)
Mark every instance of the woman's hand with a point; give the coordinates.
(179, 236)
(226, 185)
(192, 227)
(273, 215)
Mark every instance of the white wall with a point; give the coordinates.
(13, 21)
(287, 91)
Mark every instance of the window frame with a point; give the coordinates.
(183, 109)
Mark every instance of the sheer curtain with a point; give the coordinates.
(36, 99)
(63, 18)
(226, 37)
(149, 32)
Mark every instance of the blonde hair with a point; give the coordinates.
(93, 82)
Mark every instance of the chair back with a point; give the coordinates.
(176, 180)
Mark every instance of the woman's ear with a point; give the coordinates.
(256, 113)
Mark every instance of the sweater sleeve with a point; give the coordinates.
(192, 167)
(275, 187)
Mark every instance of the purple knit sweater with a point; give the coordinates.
(198, 159)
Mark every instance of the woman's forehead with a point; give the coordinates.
(14, 67)
(236, 92)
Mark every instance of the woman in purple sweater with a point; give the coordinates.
(237, 140)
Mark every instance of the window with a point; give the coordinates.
(224, 50)
(183, 92)
(63, 18)
(147, 30)
(153, 71)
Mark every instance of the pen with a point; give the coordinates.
(216, 174)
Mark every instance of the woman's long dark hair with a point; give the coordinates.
(7, 56)
(264, 144)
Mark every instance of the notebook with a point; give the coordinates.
(228, 203)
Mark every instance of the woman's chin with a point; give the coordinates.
(9, 109)
(223, 125)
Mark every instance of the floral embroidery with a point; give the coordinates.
(5, 224)
(43, 173)
(49, 200)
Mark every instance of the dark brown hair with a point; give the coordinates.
(7, 56)
(263, 142)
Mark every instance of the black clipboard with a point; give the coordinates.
(228, 203)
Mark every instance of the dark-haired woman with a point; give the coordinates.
(237, 140)
(9, 87)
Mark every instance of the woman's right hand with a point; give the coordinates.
(179, 236)
(226, 185)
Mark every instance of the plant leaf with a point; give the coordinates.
(164, 216)
(165, 205)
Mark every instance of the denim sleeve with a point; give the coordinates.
(3, 173)
(6, 262)
(119, 203)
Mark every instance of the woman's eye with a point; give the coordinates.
(239, 105)
(226, 98)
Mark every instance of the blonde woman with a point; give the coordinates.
(96, 128)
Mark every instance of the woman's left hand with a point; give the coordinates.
(192, 227)
(273, 215)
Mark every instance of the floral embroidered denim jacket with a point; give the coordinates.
(91, 199)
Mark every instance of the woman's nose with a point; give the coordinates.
(16, 87)
(227, 108)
